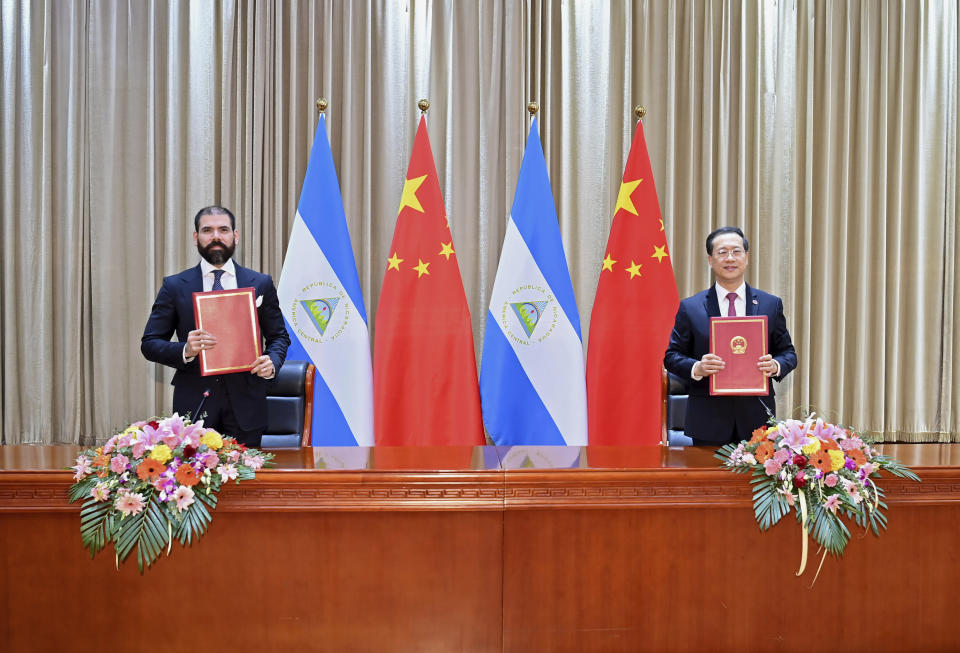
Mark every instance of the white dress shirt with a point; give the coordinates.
(228, 279)
(740, 303)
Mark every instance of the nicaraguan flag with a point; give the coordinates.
(322, 304)
(532, 379)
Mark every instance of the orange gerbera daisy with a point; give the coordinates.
(857, 456)
(187, 476)
(821, 460)
(758, 435)
(830, 444)
(764, 452)
(102, 460)
(150, 468)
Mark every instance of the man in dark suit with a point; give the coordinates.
(716, 420)
(237, 404)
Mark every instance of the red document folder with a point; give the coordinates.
(231, 317)
(740, 342)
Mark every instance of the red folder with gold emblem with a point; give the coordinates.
(740, 342)
(231, 317)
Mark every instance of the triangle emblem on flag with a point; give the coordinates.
(529, 314)
(320, 311)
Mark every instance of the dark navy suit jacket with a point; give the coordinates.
(173, 313)
(724, 419)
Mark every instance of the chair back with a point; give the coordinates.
(290, 406)
(674, 411)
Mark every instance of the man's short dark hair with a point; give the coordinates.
(726, 230)
(213, 210)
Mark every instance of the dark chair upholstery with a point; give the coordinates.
(290, 406)
(674, 411)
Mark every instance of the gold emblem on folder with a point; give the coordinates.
(738, 345)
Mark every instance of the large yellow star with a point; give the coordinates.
(659, 253)
(623, 198)
(409, 197)
(446, 249)
(393, 263)
(608, 263)
(634, 269)
(421, 268)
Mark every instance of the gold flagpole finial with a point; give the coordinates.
(423, 105)
(640, 111)
(322, 104)
(533, 107)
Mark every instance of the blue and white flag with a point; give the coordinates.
(322, 305)
(532, 378)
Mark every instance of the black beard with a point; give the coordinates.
(215, 255)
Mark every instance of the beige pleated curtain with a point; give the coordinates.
(827, 130)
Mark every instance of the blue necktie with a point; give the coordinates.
(216, 280)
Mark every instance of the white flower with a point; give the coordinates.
(227, 472)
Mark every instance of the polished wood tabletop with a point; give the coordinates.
(485, 549)
(49, 458)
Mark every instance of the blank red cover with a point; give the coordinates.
(231, 317)
(740, 342)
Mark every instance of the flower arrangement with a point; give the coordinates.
(156, 481)
(822, 471)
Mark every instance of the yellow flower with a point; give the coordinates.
(212, 439)
(836, 459)
(161, 453)
(813, 447)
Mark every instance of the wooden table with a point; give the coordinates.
(475, 549)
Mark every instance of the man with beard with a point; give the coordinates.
(237, 404)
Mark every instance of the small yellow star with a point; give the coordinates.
(608, 263)
(623, 197)
(393, 263)
(409, 197)
(661, 224)
(421, 268)
(447, 249)
(659, 253)
(634, 269)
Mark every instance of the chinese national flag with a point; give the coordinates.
(425, 388)
(633, 314)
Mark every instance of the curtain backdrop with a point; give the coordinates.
(827, 130)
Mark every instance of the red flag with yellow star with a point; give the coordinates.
(633, 314)
(425, 388)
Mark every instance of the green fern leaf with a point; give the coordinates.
(95, 524)
(82, 489)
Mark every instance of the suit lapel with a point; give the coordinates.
(712, 305)
(751, 301)
(193, 279)
(244, 276)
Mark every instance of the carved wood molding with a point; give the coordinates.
(553, 489)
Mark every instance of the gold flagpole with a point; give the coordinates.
(640, 111)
